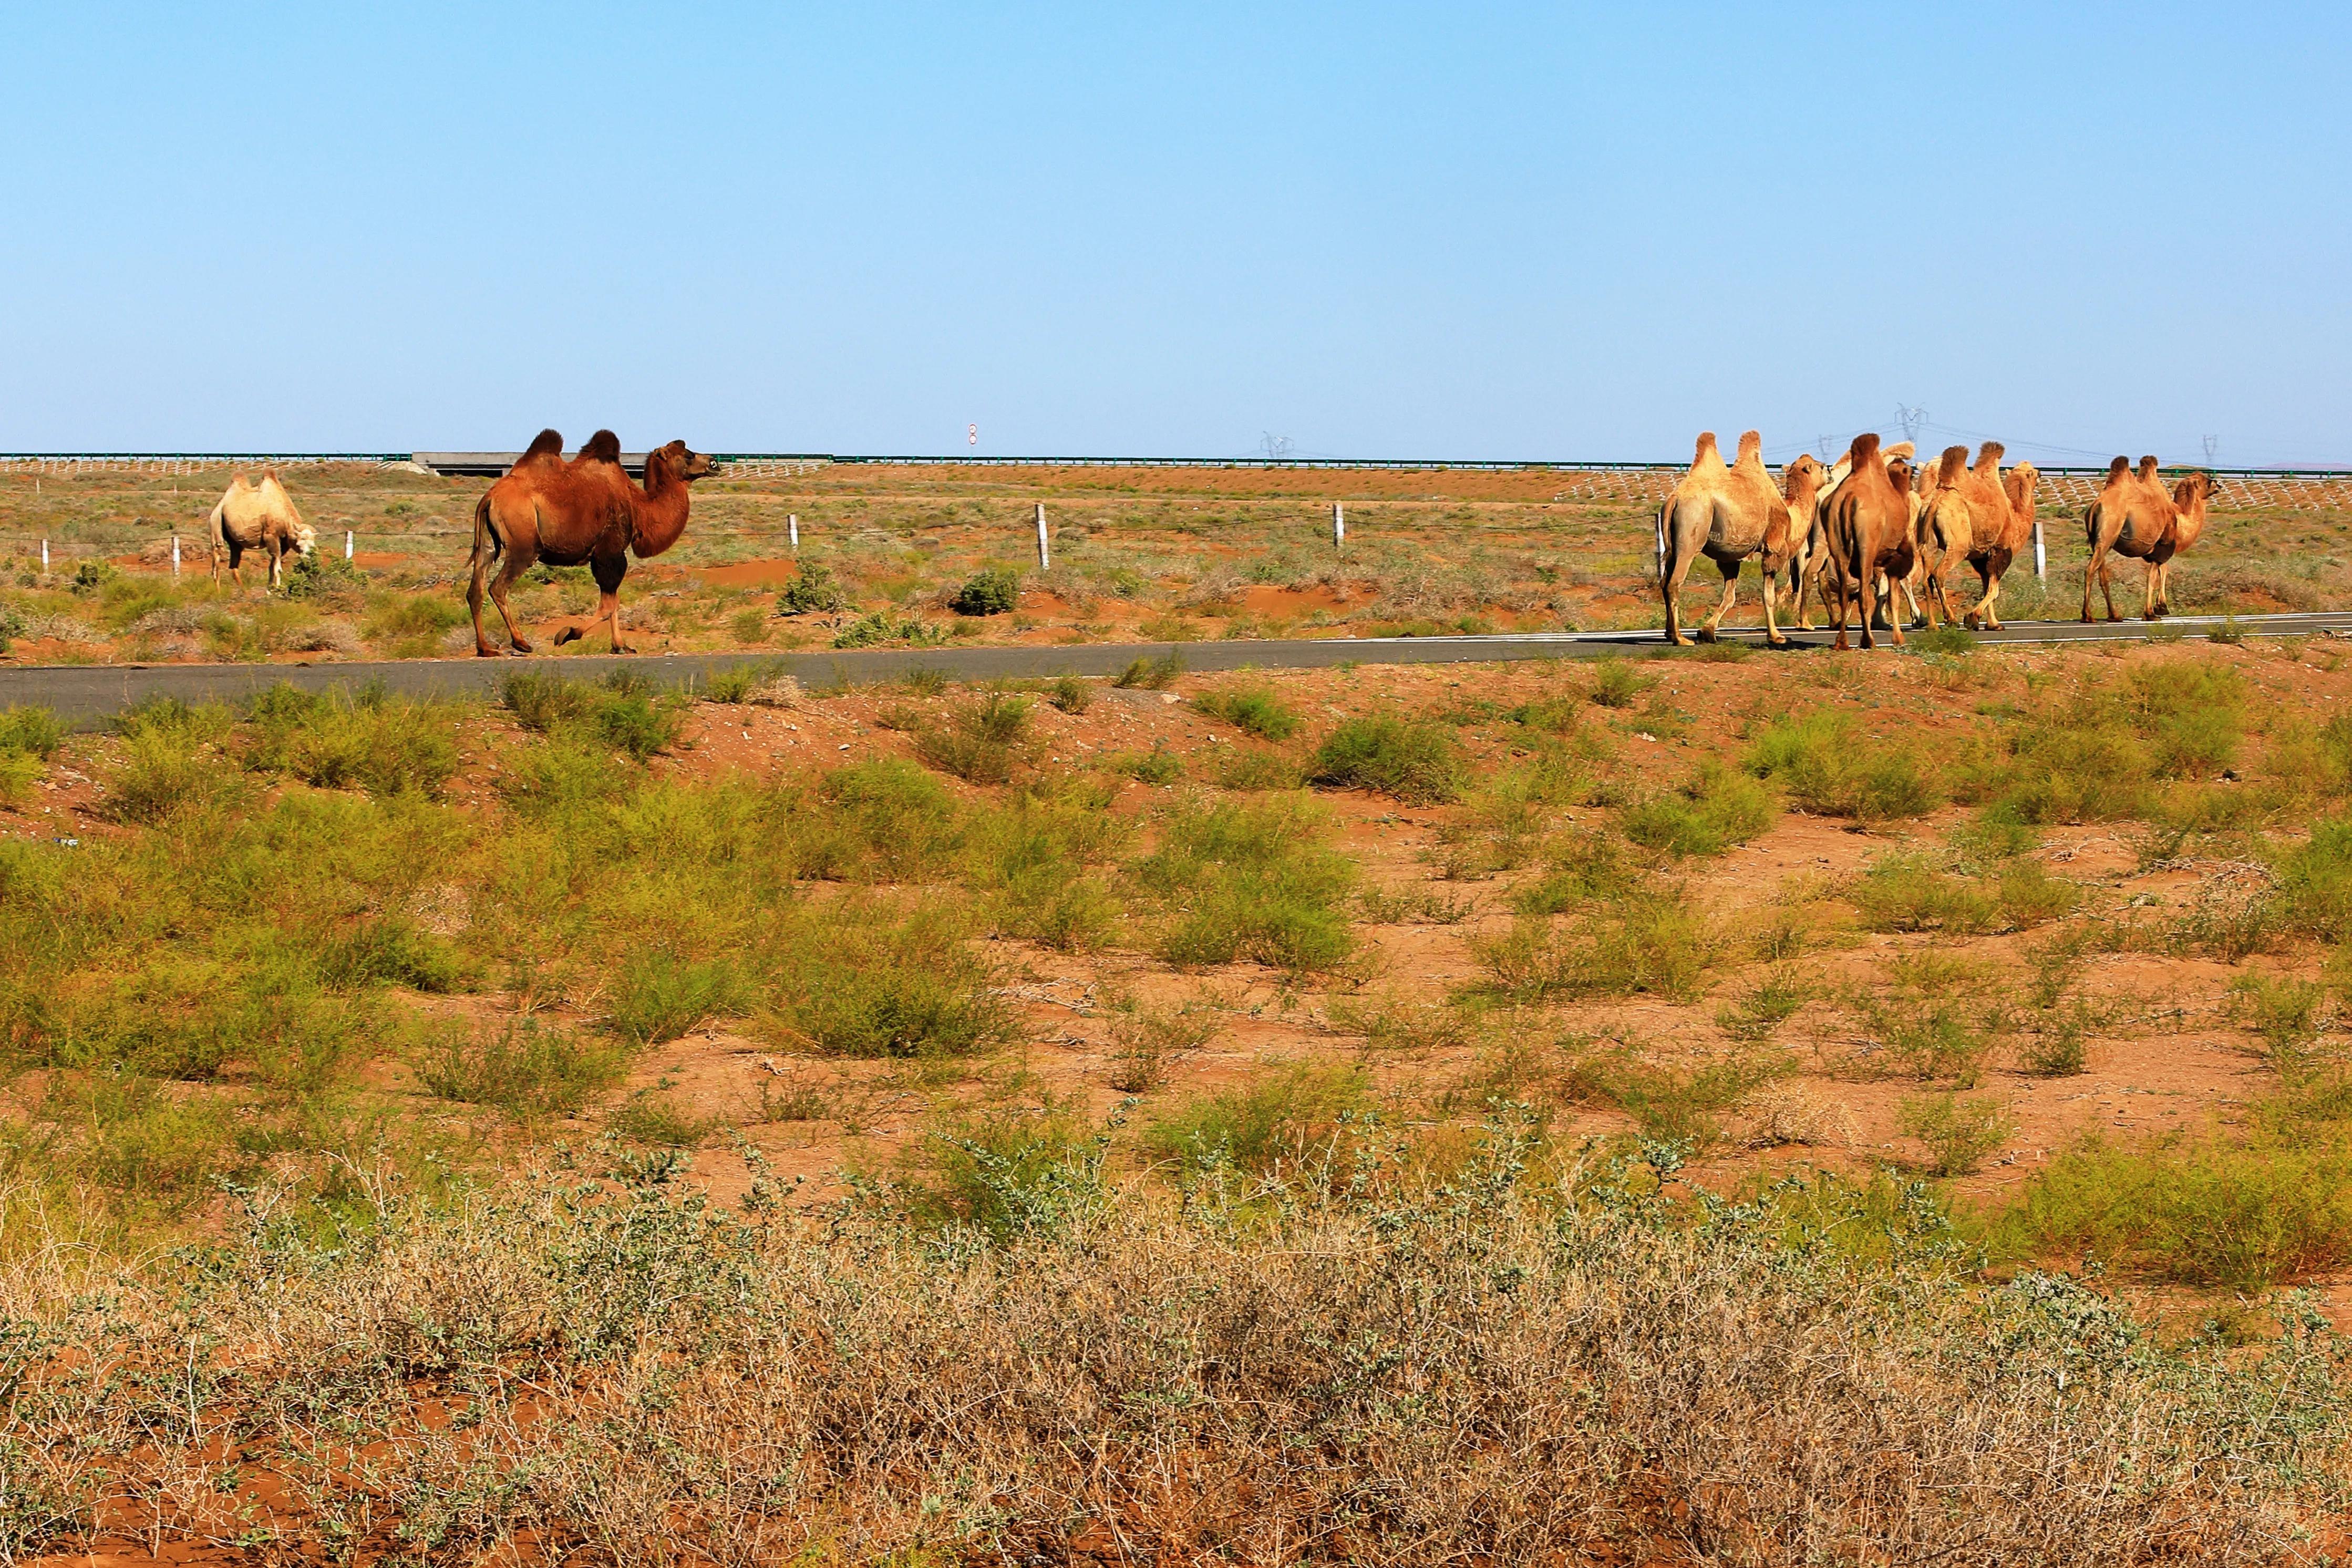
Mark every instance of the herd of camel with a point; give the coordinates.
(587, 511)
(1854, 532)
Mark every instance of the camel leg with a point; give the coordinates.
(608, 575)
(1771, 622)
(1730, 570)
(2107, 586)
(500, 587)
(236, 564)
(1670, 584)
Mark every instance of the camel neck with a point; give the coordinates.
(661, 516)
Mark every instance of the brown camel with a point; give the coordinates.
(586, 509)
(1813, 555)
(251, 516)
(1995, 546)
(1942, 533)
(1726, 514)
(2190, 496)
(1869, 533)
(2134, 515)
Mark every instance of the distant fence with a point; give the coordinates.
(2299, 490)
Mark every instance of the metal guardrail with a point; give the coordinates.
(1580, 479)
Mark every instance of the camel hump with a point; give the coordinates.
(603, 446)
(2147, 467)
(1990, 454)
(2117, 467)
(546, 444)
(1705, 445)
(1955, 463)
(1864, 447)
(1751, 445)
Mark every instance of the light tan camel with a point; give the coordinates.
(1942, 533)
(2132, 515)
(1995, 545)
(257, 517)
(589, 510)
(1814, 554)
(1726, 514)
(1869, 533)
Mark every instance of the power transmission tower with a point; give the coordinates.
(1910, 419)
(1276, 447)
(2212, 445)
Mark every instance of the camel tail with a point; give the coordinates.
(484, 530)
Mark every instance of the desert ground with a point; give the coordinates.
(1159, 554)
(1711, 1107)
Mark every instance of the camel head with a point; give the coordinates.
(2197, 488)
(1804, 475)
(2020, 484)
(680, 461)
(302, 538)
(1898, 474)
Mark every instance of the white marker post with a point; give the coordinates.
(175, 556)
(347, 544)
(44, 558)
(1044, 559)
(2040, 561)
(1339, 526)
(793, 524)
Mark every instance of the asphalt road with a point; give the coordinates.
(88, 695)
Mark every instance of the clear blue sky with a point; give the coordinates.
(1381, 231)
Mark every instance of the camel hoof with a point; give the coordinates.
(569, 634)
(1776, 642)
(619, 648)
(484, 650)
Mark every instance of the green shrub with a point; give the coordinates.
(653, 1118)
(1904, 892)
(1717, 809)
(1615, 683)
(814, 591)
(526, 1068)
(1656, 945)
(321, 572)
(1248, 769)
(1279, 1117)
(1958, 1133)
(881, 626)
(733, 684)
(992, 591)
(1159, 766)
(1945, 639)
(1249, 880)
(1253, 709)
(162, 773)
(2199, 1212)
(1827, 768)
(980, 742)
(1768, 1004)
(1684, 1104)
(1005, 1171)
(1071, 695)
(1582, 868)
(659, 995)
(386, 951)
(1419, 763)
(1150, 674)
(30, 733)
(860, 984)
(2315, 881)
